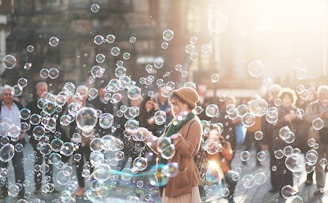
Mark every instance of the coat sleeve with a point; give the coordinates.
(188, 145)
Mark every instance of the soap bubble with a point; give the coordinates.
(9, 62)
(7, 152)
(86, 119)
(110, 38)
(168, 35)
(94, 8)
(256, 69)
(53, 41)
(317, 124)
(217, 23)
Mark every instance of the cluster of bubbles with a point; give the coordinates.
(52, 73)
(246, 112)
(105, 182)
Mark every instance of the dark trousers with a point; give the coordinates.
(250, 140)
(18, 165)
(84, 151)
(37, 164)
(231, 183)
(281, 171)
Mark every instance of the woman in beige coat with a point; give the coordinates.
(185, 131)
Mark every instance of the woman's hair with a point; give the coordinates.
(288, 92)
(174, 96)
(142, 108)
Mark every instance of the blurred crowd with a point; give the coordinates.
(70, 128)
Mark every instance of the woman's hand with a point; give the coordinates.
(291, 116)
(151, 121)
(176, 136)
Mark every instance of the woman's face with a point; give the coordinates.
(178, 107)
(286, 100)
(149, 105)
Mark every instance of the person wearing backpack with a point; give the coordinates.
(317, 114)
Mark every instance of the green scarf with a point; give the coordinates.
(174, 128)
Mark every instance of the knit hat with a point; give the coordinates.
(187, 94)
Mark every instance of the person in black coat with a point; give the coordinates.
(44, 107)
(286, 125)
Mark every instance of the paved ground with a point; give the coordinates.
(256, 193)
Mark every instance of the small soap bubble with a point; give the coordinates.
(133, 39)
(98, 39)
(205, 48)
(126, 55)
(110, 38)
(53, 41)
(168, 35)
(217, 23)
(189, 48)
(317, 124)
(214, 78)
(158, 62)
(30, 48)
(115, 51)
(193, 40)
(164, 45)
(22, 82)
(27, 66)
(256, 69)
(94, 8)
(9, 61)
(44, 73)
(100, 58)
(53, 73)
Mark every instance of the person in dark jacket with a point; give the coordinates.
(286, 126)
(39, 106)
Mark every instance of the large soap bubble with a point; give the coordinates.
(86, 119)
(7, 152)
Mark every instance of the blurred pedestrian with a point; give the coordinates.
(106, 105)
(306, 95)
(12, 137)
(132, 149)
(43, 107)
(251, 138)
(286, 125)
(81, 155)
(146, 117)
(268, 139)
(317, 114)
(230, 121)
(163, 104)
(221, 159)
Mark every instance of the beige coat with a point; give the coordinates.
(186, 148)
